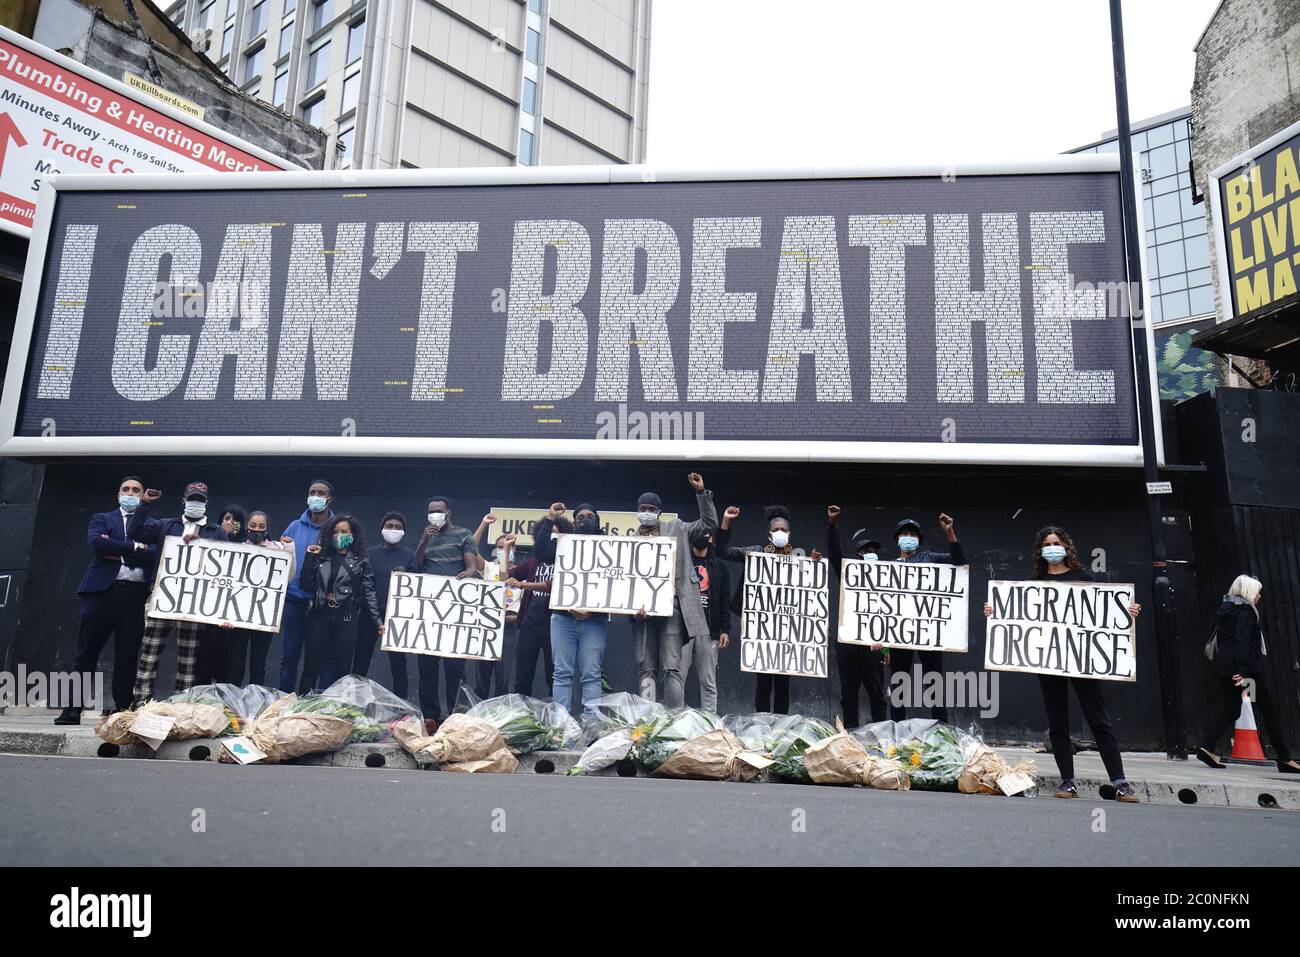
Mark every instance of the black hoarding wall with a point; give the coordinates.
(997, 512)
(1246, 520)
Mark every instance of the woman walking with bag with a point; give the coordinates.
(1237, 653)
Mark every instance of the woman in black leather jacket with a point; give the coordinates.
(1238, 658)
(337, 575)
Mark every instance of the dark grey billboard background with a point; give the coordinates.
(382, 353)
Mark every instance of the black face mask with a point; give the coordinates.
(587, 526)
(257, 537)
(701, 543)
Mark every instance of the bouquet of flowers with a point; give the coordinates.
(931, 753)
(529, 724)
(663, 740)
(371, 708)
(790, 737)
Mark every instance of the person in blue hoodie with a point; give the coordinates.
(301, 533)
(908, 536)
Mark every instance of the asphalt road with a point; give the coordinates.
(77, 812)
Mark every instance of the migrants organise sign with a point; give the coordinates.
(785, 615)
(221, 582)
(619, 576)
(1074, 629)
(444, 616)
(850, 317)
(904, 605)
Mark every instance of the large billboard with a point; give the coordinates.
(1256, 206)
(613, 312)
(58, 116)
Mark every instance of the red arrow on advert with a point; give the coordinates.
(8, 131)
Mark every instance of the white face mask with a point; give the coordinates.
(780, 539)
(195, 510)
(648, 517)
(437, 519)
(393, 535)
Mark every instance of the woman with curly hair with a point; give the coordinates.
(340, 584)
(1056, 559)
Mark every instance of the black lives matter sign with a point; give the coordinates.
(837, 310)
(444, 616)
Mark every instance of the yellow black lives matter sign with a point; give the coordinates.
(1260, 205)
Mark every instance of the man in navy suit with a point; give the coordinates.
(191, 524)
(113, 591)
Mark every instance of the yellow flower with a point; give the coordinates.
(893, 749)
(916, 758)
(637, 735)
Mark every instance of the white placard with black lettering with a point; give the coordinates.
(785, 615)
(1074, 629)
(444, 616)
(904, 605)
(618, 576)
(221, 582)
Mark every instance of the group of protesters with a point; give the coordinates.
(333, 615)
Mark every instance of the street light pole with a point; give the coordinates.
(1162, 592)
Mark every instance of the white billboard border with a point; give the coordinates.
(930, 453)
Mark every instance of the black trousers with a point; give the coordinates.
(772, 693)
(212, 664)
(1056, 697)
(900, 662)
(531, 642)
(453, 671)
(1223, 713)
(364, 654)
(331, 636)
(245, 647)
(860, 667)
(116, 612)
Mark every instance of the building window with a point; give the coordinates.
(286, 38)
(322, 12)
(314, 112)
(351, 93)
(227, 40)
(535, 6)
(345, 141)
(525, 148)
(280, 95)
(253, 62)
(356, 40)
(176, 13)
(318, 65)
(289, 7)
(205, 14)
(530, 96)
(257, 20)
(534, 45)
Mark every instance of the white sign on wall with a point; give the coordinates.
(58, 116)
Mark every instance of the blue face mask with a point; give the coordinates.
(128, 503)
(908, 543)
(1053, 554)
(316, 503)
(870, 557)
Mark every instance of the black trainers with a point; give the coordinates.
(68, 716)
(1067, 790)
(1125, 793)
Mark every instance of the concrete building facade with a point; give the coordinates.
(440, 83)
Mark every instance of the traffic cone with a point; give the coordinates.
(1245, 738)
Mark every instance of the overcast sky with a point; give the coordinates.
(871, 82)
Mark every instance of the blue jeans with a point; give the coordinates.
(292, 629)
(578, 646)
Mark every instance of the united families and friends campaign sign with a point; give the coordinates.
(785, 615)
(829, 315)
(445, 616)
(58, 116)
(619, 576)
(221, 583)
(1074, 629)
(904, 605)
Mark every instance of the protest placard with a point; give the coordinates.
(444, 616)
(1075, 629)
(904, 605)
(618, 576)
(785, 615)
(221, 582)
(522, 523)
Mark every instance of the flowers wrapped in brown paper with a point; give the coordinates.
(291, 735)
(841, 760)
(116, 727)
(987, 772)
(462, 743)
(191, 720)
(713, 756)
